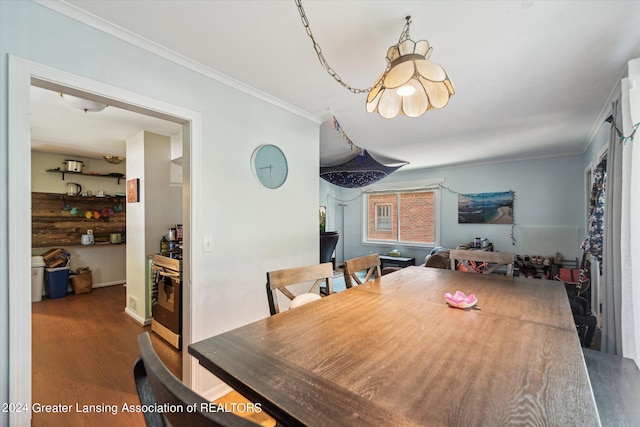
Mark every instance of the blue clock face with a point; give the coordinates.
(269, 166)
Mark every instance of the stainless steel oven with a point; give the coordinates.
(166, 299)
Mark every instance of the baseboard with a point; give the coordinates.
(140, 320)
(104, 284)
(216, 392)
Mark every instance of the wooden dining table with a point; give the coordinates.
(393, 352)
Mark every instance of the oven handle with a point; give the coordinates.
(163, 273)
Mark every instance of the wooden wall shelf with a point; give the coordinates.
(51, 226)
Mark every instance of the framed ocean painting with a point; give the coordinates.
(486, 208)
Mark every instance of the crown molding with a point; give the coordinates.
(100, 24)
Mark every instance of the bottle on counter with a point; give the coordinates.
(164, 246)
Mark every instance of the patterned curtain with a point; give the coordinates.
(593, 242)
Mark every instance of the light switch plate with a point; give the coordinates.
(207, 243)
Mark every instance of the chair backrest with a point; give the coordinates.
(157, 386)
(370, 263)
(279, 280)
(490, 261)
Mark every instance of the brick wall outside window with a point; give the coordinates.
(378, 199)
(413, 217)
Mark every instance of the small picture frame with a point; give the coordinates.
(133, 190)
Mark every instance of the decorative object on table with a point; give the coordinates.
(485, 208)
(394, 252)
(269, 166)
(133, 190)
(410, 84)
(460, 300)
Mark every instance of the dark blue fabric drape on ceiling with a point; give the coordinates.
(360, 171)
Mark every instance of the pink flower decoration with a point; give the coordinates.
(460, 300)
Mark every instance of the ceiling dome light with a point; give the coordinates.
(83, 104)
(408, 65)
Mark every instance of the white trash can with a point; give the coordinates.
(37, 278)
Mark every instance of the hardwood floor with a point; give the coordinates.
(84, 347)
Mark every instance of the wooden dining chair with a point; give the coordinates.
(368, 263)
(279, 280)
(467, 260)
(157, 386)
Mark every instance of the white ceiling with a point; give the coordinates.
(532, 78)
(59, 128)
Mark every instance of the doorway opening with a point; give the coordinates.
(22, 75)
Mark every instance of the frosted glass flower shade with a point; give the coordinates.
(412, 84)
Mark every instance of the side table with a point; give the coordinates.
(398, 261)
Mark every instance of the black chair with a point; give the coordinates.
(328, 243)
(584, 320)
(158, 386)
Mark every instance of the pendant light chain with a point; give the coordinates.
(321, 57)
(405, 31)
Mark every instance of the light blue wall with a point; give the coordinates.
(548, 193)
(274, 228)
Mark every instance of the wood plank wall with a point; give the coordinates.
(51, 226)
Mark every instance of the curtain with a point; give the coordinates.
(594, 241)
(611, 257)
(630, 226)
(621, 249)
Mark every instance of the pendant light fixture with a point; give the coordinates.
(410, 85)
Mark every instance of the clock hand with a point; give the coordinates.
(270, 167)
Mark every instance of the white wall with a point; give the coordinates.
(159, 208)
(254, 229)
(548, 194)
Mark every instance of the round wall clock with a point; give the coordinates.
(269, 166)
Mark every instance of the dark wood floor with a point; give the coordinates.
(84, 347)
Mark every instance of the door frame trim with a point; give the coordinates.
(20, 76)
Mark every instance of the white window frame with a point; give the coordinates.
(432, 186)
(389, 207)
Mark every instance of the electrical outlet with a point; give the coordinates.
(133, 303)
(89, 232)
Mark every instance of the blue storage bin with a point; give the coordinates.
(56, 282)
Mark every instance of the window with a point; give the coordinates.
(407, 217)
(383, 217)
